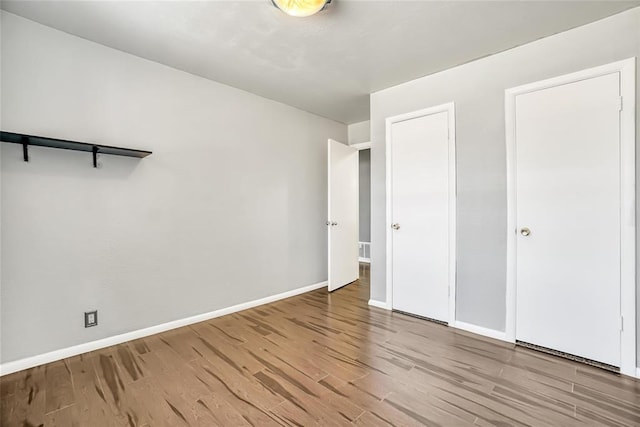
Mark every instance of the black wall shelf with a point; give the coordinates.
(95, 149)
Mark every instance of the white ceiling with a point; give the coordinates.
(326, 64)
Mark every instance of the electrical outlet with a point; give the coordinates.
(90, 318)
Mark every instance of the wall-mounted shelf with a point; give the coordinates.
(41, 141)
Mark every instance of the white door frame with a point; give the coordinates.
(362, 146)
(449, 108)
(626, 68)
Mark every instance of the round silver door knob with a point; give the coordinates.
(525, 231)
(395, 226)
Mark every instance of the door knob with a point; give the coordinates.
(395, 226)
(525, 231)
(334, 223)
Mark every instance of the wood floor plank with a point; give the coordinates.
(122, 398)
(250, 398)
(62, 418)
(26, 406)
(376, 406)
(129, 362)
(318, 358)
(285, 355)
(419, 407)
(59, 386)
(309, 399)
(9, 384)
(367, 419)
(222, 411)
(211, 346)
(624, 388)
(90, 405)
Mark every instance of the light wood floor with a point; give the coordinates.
(318, 358)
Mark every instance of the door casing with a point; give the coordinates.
(450, 109)
(626, 68)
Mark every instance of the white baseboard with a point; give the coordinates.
(491, 333)
(41, 359)
(379, 304)
(364, 252)
(638, 372)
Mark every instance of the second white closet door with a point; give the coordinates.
(568, 218)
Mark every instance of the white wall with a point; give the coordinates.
(230, 207)
(477, 88)
(359, 132)
(364, 195)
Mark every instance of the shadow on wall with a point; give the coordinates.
(51, 162)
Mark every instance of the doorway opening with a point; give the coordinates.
(364, 211)
(364, 232)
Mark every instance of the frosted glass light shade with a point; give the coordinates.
(300, 8)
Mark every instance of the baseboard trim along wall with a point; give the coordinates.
(491, 333)
(41, 359)
(379, 304)
(364, 252)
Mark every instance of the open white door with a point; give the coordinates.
(342, 220)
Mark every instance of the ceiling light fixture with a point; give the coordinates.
(301, 8)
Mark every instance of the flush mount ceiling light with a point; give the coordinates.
(301, 8)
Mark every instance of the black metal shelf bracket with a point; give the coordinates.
(25, 148)
(43, 141)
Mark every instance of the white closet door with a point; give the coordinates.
(568, 218)
(343, 213)
(420, 215)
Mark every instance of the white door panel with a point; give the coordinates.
(568, 195)
(420, 207)
(342, 214)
